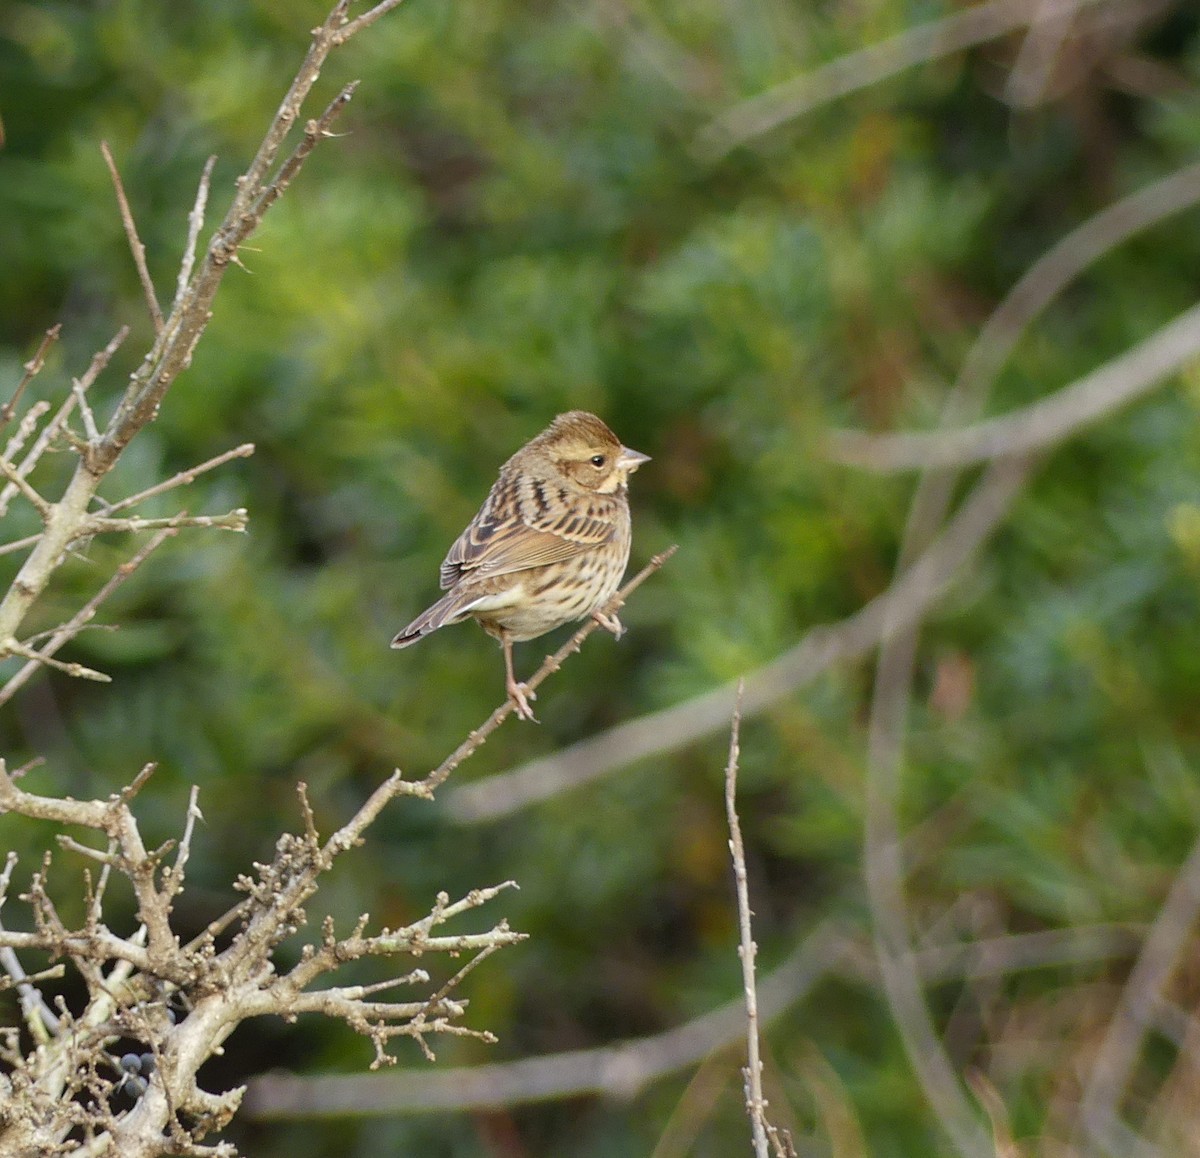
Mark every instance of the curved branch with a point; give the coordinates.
(1118, 382)
(759, 115)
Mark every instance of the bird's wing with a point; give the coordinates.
(524, 523)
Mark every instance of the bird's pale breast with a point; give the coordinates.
(539, 599)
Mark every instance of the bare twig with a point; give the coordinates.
(40, 1019)
(857, 70)
(1030, 75)
(367, 18)
(13, 647)
(135, 243)
(17, 479)
(55, 427)
(32, 367)
(195, 224)
(396, 784)
(24, 429)
(84, 615)
(756, 1104)
(174, 878)
(183, 478)
(236, 520)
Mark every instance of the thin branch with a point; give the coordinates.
(19, 544)
(173, 881)
(315, 131)
(885, 874)
(396, 784)
(84, 615)
(195, 224)
(367, 18)
(17, 479)
(172, 352)
(1116, 383)
(758, 115)
(183, 478)
(14, 647)
(1060, 265)
(1030, 75)
(32, 367)
(57, 424)
(236, 520)
(25, 428)
(135, 243)
(41, 1020)
(756, 1105)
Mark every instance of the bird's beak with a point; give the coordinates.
(629, 460)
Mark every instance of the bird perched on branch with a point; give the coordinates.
(548, 546)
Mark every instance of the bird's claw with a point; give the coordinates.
(610, 623)
(520, 696)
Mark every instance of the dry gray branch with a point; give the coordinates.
(624, 1069)
(134, 981)
(764, 1134)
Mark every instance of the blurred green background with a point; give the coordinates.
(515, 222)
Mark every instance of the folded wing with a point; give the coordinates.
(529, 525)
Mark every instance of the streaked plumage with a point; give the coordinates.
(548, 546)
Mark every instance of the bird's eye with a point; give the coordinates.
(598, 460)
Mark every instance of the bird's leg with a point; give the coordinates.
(518, 693)
(609, 622)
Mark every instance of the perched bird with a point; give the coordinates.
(549, 545)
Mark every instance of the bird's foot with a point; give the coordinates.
(520, 696)
(610, 623)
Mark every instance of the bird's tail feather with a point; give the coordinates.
(449, 609)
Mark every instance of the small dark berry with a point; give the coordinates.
(132, 1085)
(131, 1063)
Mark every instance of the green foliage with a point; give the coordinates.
(515, 223)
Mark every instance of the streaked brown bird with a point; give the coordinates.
(548, 546)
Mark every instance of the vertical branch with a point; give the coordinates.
(756, 1104)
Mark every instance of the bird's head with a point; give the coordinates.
(582, 447)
